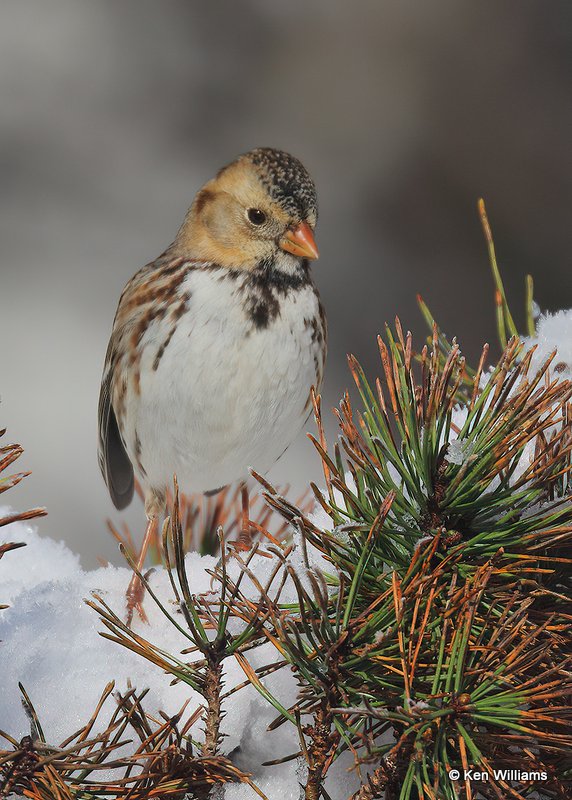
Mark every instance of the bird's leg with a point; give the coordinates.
(136, 589)
(245, 536)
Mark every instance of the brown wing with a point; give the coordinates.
(146, 297)
(114, 462)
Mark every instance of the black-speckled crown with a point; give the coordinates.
(287, 181)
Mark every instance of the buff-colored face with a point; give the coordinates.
(235, 222)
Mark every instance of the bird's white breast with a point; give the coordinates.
(225, 394)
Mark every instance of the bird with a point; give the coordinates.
(217, 345)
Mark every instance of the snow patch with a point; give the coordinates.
(50, 642)
(553, 332)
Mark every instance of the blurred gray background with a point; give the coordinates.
(113, 114)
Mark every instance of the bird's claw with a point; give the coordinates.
(134, 601)
(140, 611)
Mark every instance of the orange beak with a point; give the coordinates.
(300, 241)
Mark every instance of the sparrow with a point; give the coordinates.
(216, 344)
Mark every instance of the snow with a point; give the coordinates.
(49, 641)
(459, 450)
(553, 332)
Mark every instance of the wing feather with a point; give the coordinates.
(114, 462)
(150, 288)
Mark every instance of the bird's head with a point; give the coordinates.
(261, 208)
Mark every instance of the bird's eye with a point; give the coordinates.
(256, 216)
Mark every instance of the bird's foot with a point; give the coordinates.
(242, 544)
(244, 541)
(136, 589)
(134, 600)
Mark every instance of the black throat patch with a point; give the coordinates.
(266, 286)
